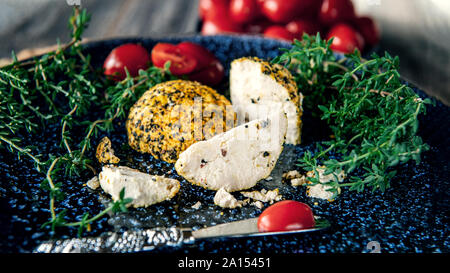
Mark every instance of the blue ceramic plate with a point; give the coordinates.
(411, 216)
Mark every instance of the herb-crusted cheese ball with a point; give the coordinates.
(172, 115)
(255, 83)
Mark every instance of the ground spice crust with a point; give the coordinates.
(173, 115)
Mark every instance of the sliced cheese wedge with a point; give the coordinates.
(255, 82)
(143, 188)
(237, 159)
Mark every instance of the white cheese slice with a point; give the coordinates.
(237, 159)
(254, 82)
(143, 188)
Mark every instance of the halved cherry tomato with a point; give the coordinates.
(211, 9)
(283, 11)
(346, 38)
(180, 63)
(336, 11)
(203, 56)
(279, 32)
(131, 56)
(368, 29)
(243, 11)
(209, 75)
(286, 215)
(196, 62)
(209, 70)
(298, 27)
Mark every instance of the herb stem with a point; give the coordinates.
(340, 66)
(52, 188)
(22, 150)
(90, 220)
(91, 130)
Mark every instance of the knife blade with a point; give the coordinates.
(149, 239)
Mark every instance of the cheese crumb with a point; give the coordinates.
(327, 178)
(321, 190)
(93, 183)
(197, 205)
(258, 204)
(105, 152)
(264, 195)
(295, 177)
(291, 175)
(224, 199)
(299, 181)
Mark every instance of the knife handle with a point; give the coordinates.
(113, 242)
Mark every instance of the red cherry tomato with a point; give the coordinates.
(368, 29)
(210, 75)
(346, 38)
(283, 11)
(211, 9)
(180, 63)
(243, 11)
(335, 11)
(203, 56)
(131, 56)
(286, 215)
(298, 27)
(258, 26)
(220, 25)
(209, 70)
(279, 32)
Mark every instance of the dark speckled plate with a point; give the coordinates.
(411, 216)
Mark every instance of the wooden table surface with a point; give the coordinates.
(418, 33)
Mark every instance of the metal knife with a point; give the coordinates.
(149, 239)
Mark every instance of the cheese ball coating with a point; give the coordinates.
(173, 115)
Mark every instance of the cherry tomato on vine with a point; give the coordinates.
(336, 11)
(220, 25)
(298, 27)
(180, 63)
(286, 215)
(133, 57)
(346, 38)
(258, 26)
(279, 32)
(243, 11)
(211, 9)
(368, 29)
(283, 11)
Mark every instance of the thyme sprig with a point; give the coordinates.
(70, 87)
(371, 112)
